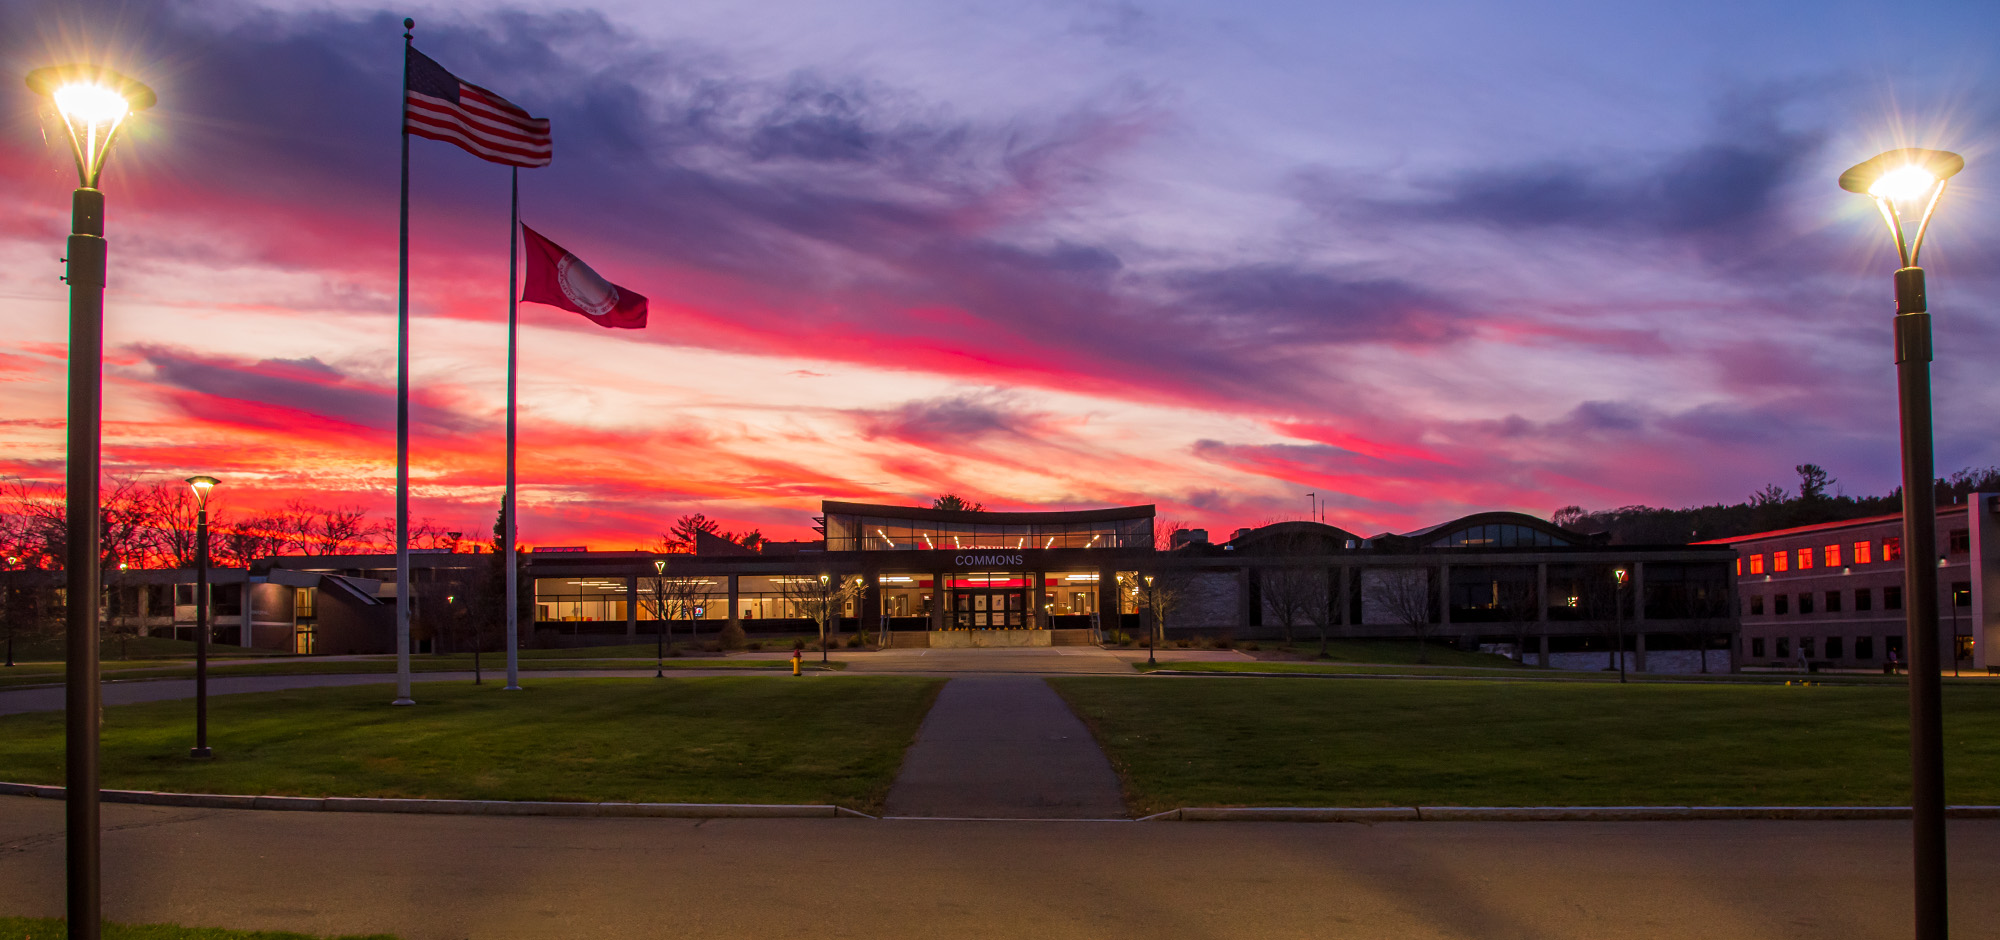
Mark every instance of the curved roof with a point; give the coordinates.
(983, 516)
(1428, 534)
(1277, 533)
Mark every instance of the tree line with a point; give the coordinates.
(1818, 499)
(151, 524)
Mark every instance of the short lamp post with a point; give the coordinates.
(202, 487)
(825, 613)
(1618, 615)
(1905, 183)
(1153, 614)
(660, 618)
(93, 102)
(13, 616)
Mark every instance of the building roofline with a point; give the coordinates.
(1820, 527)
(1116, 513)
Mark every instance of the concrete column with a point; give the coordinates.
(1638, 591)
(1340, 594)
(1108, 601)
(1248, 600)
(1444, 595)
(1983, 570)
(871, 602)
(735, 612)
(1037, 596)
(940, 600)
(1542, 597)
(631, 606)
(1543, 657)
(1638, 652)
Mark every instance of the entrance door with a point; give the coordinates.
(978, 609)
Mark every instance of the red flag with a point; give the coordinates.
(561, 279)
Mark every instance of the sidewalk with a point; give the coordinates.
(1004, 748)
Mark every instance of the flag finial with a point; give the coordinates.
(408, 24)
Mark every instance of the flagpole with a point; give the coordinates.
(403, 401)
(507, 508)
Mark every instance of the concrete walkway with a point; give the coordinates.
(1004, 748)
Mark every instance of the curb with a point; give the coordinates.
(346, 804)
(1547, 813)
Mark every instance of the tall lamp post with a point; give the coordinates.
(1900, 181)
(825, 613)
(1618, 616)
(660, 618)
(202, 487)
(93, 102)
(12, 598)
(1153, 613)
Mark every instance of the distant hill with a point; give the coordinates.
(1773, 507)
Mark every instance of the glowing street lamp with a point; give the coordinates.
(1152, 610)
(94, 103)
(659, 614)
(1903, 183)
(202, 486)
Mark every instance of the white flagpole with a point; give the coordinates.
(403, 407)
(508, 524)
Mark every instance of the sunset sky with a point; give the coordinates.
(1421, 259)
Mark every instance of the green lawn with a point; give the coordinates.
(50, 649)
(30, 928)
(1324, 667)
(702, 740)
(28, 674)
(1223, 742)
(1387, 652)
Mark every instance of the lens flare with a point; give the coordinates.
(1904, 184)
(93, 105)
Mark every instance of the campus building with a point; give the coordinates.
(930, 577)
(1831, 595)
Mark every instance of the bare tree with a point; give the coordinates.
(820, 599)
(243, 541)
(676, 597)
(1404, 594)
(1523, 607)
(1294, 592)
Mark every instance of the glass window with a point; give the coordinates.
(1757, 563)
(1833, 647)
(1757, 646)
(1863, 556)
(1833, 602)
(1806, 647)
(1783, 602)
(1892, 549)
(1961, 594)
(1756, 605)
(1805, 559)
(1832, 559)
(1892, 597)
(1864, 647)
(1739, 566)
(1864, 599)
(1781, 561)
(1784, 647)
(1960, 542)
(1805, 603)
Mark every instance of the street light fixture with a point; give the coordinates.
(1900, 181)
(1152, 610)
(94, 103)
(825, 613)
(13, 565)
(202, 486)
(1618, 616)
(659, 640)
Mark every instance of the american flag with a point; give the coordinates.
(439, 106)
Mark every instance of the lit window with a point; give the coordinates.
(1739, 566)
(1892, 549)
(1781, 561)
(1862, 555)
(1805, 558)
(1833, 556)
(1757, 564)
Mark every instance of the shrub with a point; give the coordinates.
(1251, 646)
(754, 645)
(853, 642)
(731, 637)
(711, 646)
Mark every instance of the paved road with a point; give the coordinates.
(442, 878)
(1004, 748)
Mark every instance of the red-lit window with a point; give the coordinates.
(1861, 554)
(1805, 558)
(1757, 564)
(1833, 556)
(1781, 561)
(1739, 566)
(1892, 549)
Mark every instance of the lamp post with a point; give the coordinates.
(13, 616)
(1153, 610)
(202, 487)
(1618, 616)
(93, 102)
(659, 635)
(825, 612)
(1898, 181)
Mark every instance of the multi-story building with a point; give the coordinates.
(1831, 594)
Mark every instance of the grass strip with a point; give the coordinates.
(1244, 742)
(697, 740)
(53, 675)
(52, 928)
